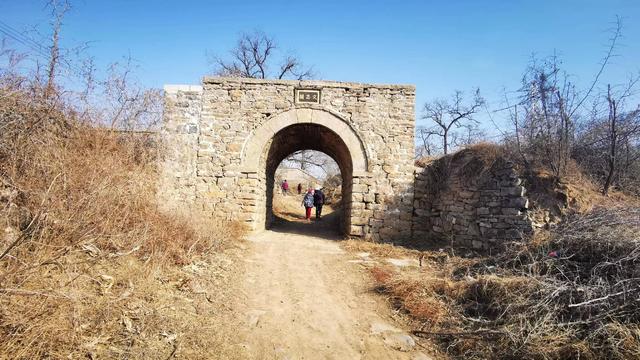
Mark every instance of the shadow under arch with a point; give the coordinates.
(309, 136)
(302, 128)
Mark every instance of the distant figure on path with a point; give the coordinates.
(285, 187)
(307, 202)
(318, 201)
(299, 188)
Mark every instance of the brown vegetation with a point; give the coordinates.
(89, 267)
(571, 293)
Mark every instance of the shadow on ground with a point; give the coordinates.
(328, 227)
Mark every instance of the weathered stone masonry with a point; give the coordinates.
(470, 202)
(225, 138)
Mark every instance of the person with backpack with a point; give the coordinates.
(285, 187)
(318, 201)
(307, 202)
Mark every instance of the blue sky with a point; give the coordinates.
(439, 46)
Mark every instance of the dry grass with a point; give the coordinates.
(571, 293)
(382, 250)
(89, 267)
(288, 206)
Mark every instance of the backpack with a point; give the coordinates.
(318, 198)
(308, 200)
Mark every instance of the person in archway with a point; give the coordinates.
(307, 202)
(299, 188)
(318, 201)
(285, 187)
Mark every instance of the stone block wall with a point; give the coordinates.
(470, 200)
(180, 131)
(219, 138)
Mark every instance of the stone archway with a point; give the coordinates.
(302, 129)
(225, 137)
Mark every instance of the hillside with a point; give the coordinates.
(89, 268)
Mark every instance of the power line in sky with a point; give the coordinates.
(22, 39)
(40, 49)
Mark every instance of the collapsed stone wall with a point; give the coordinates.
(470, 200)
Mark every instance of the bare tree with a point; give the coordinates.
(548, 101)
(548, 113)
(253, 57)
(622, 129)
(58, 10)
(312, 161)
(608, 145)
(450, 115)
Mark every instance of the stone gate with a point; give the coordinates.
(226, 137)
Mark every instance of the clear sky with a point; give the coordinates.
(439, 46)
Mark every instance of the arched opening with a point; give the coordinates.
(308, 171)
(309, 136)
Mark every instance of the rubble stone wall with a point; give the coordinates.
(467, 201)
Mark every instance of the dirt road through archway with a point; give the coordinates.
(306, 298)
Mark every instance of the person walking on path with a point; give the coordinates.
(285, 187)
(307, 202)
(318, 201)
(299, 188)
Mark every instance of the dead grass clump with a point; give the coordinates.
(88, 265)
(468, 165)
(424, 161)
(420, 297)
(379, 249)
(487, 152)
(572, 293)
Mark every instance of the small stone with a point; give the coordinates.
(402, 342)
(254, 316)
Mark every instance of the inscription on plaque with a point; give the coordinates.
(307, 96)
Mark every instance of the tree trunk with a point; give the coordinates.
(613, 138)
(445, 141)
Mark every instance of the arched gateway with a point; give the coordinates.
(225, 139)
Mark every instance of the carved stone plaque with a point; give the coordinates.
(307, 96)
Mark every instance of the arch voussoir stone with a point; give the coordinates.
(256, 142)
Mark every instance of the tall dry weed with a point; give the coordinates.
(89, 267)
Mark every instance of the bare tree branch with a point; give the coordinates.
(254, 56)
(446, 115)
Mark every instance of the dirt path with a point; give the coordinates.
(307, 299)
